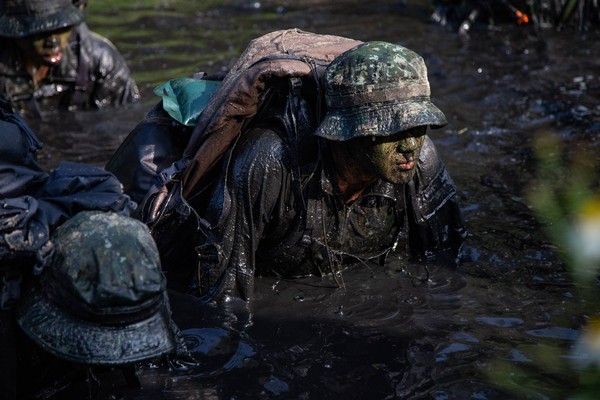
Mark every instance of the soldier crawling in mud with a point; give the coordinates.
(377, 181)
(50, 59)
(368, 180)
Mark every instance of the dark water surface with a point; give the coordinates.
(391, 333)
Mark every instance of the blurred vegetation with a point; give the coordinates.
(566, 199)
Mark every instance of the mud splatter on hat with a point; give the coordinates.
(377, 89)
(103, 299)
(19, 18)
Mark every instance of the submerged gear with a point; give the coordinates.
(19, 18)
(103, 300)
(377, 89)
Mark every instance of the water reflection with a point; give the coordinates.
(89, 137)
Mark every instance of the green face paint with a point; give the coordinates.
(45, 49)
(391, 158)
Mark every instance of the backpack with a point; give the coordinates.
(276, 79)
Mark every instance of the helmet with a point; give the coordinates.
(103, 299)
(19, 18)
(377, 89)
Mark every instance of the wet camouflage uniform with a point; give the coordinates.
(267, 217)
(91, 74)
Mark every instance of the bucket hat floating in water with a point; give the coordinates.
(377, 89)
(19, 18)
(103, 299)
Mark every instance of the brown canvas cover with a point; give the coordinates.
(237, 100)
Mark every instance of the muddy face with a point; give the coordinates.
(391, 158)
(46, 48)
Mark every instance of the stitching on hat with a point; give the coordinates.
(405, 92)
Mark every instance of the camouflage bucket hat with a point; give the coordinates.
(19, 18)
(103, 299)
(377, 89)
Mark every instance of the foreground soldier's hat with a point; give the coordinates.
(103, 299)
(19, 18)
(377, 89)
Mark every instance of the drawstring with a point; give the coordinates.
(315, 75)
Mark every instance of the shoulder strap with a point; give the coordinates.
(294, 119)
(79, 97)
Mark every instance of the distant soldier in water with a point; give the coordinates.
(463, 15)
(49, 59)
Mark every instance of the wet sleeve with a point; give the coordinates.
(240, 209)
(437, 229)
(113, 83)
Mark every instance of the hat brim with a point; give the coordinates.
(89, 343)
(13, 27)
(380, 119)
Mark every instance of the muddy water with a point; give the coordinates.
(408, 330)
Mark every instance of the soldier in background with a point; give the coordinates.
(50, 59)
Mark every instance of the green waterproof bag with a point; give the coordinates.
(184, 99)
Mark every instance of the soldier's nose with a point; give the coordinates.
(407, 145)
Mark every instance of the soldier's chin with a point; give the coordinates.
(402, 178)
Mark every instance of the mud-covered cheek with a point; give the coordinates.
(421, 143)
(64, 40)
(384, 157)
(381, 154)
(38, 46)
